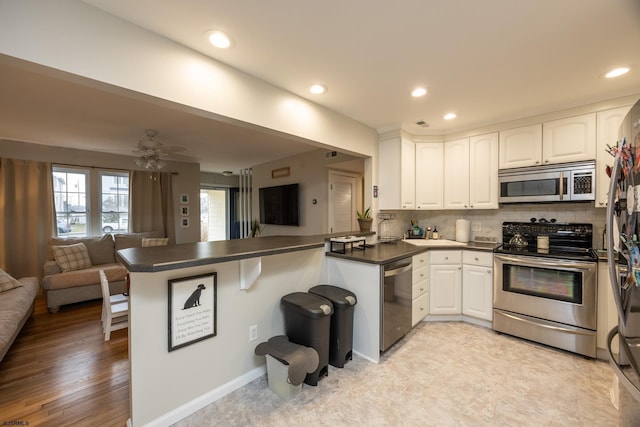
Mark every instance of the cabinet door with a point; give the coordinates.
(456, 174)
(419, 308)
(607, 311)
(397, 174)
(608, 123)
(477, 291)
(445, 289)
(483, 171)
(520, 147)
(429, 175)
(408, 175)
(569, 140)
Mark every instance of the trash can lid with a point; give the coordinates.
(339, 297)
(310, 305)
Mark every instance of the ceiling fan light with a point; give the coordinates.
(160, 164)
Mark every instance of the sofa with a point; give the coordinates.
(16, 306)
(72, 266)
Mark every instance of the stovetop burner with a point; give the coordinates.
(566, 240)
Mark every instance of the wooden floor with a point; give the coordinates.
(61, 372)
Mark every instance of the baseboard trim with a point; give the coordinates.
(202, 401)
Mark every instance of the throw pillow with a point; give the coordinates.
(7, 282)
(72, 257)
(154, 241)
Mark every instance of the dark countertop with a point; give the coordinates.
(383, 253)
(185, 255)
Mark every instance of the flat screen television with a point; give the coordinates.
(279, 205)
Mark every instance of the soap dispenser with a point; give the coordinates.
(436, 235)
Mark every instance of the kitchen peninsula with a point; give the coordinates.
(252, 276)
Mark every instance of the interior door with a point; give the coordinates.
(344, 196)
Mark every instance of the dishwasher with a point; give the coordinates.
(395, 305)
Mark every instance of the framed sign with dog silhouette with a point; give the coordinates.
(192, 309)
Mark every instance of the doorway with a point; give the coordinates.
(213, 214)
(345, 195)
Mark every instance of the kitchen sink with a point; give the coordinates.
(431, 242)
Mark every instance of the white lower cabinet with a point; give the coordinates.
(420, 291)
(445, 282)
(477, 284)
(607, 311)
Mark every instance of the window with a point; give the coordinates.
(114, 203)
(70, 193)
(213, 214)
(90, 202)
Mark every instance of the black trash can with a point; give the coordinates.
(307, 319)
(341, 340)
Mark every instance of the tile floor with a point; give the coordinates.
(441, 374)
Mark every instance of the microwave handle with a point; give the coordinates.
(561, 185)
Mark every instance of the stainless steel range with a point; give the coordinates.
(545, 284)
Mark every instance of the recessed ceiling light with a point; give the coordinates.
(450, 116)
(419, 91)
(318, 89)
(617, 72)
(218, 38)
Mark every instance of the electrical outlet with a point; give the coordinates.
(476, 226)
(253, 332)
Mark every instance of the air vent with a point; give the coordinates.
(423, 124)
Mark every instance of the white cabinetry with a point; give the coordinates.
(557, 141)
(420, 304)
(429, 175)
(471, 173)
(477, 284)
(445, 282)
(569, 140)
(456, 174)
(521, 147)
(397, 174)
(608, 123)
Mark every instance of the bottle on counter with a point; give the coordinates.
(436, 235)
(427, 233)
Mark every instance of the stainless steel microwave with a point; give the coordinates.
(567, 182)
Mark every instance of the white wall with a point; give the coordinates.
(311, 171)
(167, 386)
(185, 181)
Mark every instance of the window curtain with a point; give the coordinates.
(151, 202)
(26, 216)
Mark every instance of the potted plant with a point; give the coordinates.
(365, 220)
(256, 228)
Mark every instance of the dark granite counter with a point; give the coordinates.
(383, 253)
(162, 258)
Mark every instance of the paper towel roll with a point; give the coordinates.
(463, 230)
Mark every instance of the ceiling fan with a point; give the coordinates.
(151, 150)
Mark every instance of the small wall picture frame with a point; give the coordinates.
(184, 211)
(184, 199)
(184, 222)
(281, 172)
(192, 309)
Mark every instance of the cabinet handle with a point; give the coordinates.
(476, 258)
(465, 206)
(489, 271)
(459, 268)
(421, 289)
(546, 161)
(446, 258)
(537, 162)
(421, 308)
(421, 275)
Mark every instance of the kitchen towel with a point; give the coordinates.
(463, 230)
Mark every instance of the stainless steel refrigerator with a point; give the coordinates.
(623, 259)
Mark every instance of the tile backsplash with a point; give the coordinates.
(488, 223)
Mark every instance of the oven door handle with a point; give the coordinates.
(545, 262)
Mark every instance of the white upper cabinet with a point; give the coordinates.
(471, 173)
(483, 171)
(397, 174)
(429, 175)
(456, 174)
(521, 147)
(569, 140)
(608, 123)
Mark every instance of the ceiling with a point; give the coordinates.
(489, 61)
